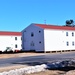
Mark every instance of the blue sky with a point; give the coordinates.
(15, 15)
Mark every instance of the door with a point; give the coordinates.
(32, 46)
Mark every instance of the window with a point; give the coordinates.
(21, 45)
(39, 31)
(32, 34)
(16, 46)
(15, 38)
(72, 34)
(39, 41)
(73, 43)
(32, 43)
(66, 33)
(67, 43)
(21, 38)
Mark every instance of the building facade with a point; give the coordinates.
(10, 40)
(41, 37)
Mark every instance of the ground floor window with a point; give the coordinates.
(32, 43)
(67, 43)
(16, 46)
(73, 43)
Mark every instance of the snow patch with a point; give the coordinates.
(28, 70)
(39, 68)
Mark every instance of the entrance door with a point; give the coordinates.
(32, 45)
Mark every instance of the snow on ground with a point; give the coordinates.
(39, 68)
(28, 70)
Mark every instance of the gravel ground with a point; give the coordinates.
(50, 72)
(2, 56)
(2, 69)
(72, 72)
(55, 72)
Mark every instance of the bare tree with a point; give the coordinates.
(70, 22)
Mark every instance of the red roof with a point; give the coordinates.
(44, 26)
(10, 33)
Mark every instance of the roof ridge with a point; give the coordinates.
(10, 33)
(55, 27)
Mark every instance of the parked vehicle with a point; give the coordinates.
(8, 49)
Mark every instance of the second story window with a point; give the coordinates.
(15, 38)
(32, 34)
(39, 31)
(66, 33)
(21, 38)
(72, 34)
(40, 42)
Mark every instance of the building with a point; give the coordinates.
(10, 41)
(44, 38)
